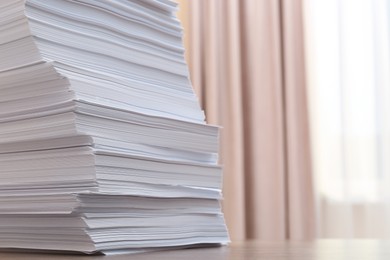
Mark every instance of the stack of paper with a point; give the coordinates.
(103, 145)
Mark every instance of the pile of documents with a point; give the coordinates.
(103, 145)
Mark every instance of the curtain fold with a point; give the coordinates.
(246, 62)
(300, 179)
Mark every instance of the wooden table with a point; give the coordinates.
(319, 250)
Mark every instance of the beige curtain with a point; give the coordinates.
(246, 62)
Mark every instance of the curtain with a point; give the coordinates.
(349, 91)
(247, 65)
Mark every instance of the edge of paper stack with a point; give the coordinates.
(103, 145)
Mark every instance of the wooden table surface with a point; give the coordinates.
(320, 249)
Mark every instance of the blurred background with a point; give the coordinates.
(302, 90)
